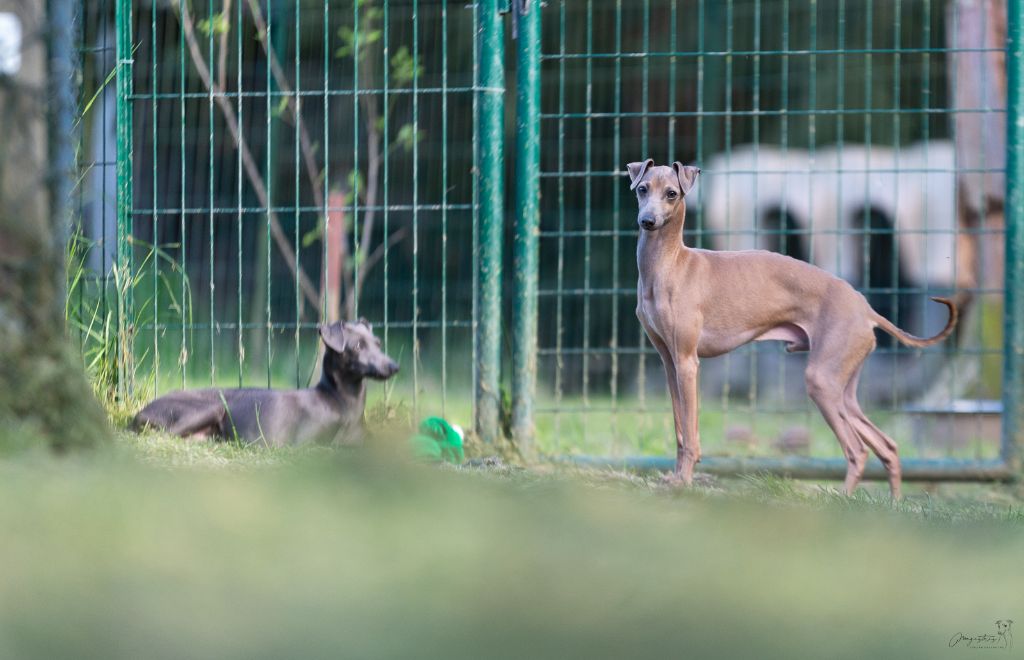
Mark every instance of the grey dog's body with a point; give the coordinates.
(703, 303)
(330, 412)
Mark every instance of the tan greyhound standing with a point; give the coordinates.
(701, 303)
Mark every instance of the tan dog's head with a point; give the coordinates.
(660, 191)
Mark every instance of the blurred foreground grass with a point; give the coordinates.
(155, 548)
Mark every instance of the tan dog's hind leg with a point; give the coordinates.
(854, 477)
(833, 371)
(834, 361)
(827, 395)
(880, 443)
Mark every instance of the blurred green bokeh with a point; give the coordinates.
(252, 554)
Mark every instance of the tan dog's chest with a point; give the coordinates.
(647, 306)
(656, 308)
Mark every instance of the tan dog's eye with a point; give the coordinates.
(671, 194)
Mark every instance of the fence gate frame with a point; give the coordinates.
(524, 326)
(487, 91)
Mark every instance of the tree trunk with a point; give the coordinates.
(44, 395)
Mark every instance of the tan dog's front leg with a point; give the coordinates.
(685, 405)
(672, 381)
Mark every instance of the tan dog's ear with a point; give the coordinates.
(637, 171)
(687, 175)
(333, 336)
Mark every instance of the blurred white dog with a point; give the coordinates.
(826, 191)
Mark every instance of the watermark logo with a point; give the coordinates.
(1002, 638)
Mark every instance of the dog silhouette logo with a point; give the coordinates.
(1003, 631)
(1001, 639)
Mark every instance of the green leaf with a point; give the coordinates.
(354, 181)
(403, 67)
(313, 235)
(348, 38)
(407, 134)
(218, 24)
(281, 106)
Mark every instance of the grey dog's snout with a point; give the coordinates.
(391, 367)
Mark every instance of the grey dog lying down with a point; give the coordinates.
(330, 412)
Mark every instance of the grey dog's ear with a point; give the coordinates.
(637, 171)
(687, 175)
(333, 336)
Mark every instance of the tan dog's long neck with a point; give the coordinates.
(656, 250)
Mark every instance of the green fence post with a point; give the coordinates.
(527, 219)
(63, 69)
(1013, 347)
(125, 331)
(491, 189)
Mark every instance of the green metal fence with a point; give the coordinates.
(284, 162)
(834, 131)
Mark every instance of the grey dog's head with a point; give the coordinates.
(354, 352)
(660, 191)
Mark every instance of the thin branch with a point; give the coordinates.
(378, 252)
(373, 166)
(251, 169)
(293, 104)
(222, 60)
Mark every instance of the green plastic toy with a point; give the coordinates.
(438, 441)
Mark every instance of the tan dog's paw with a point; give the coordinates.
(676, 481)
(705, 480)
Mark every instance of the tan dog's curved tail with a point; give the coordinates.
(920, 342)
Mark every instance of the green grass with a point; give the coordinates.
(159, 548)
(593, 428)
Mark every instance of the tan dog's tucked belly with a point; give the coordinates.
(795, 336)
(713, 344)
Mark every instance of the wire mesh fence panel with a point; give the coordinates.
(291, 162)
(92, 249)
(262, 166)
(865, 137)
